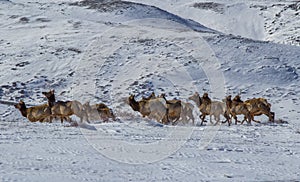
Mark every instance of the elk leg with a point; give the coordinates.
(184, 119)
(175, 122)
(112, 115)
(202, 116)
(51, 118)
(210, 118)
(165, 119)
(217, 118)
(193, 120)
(229, 122)
(256, 121)
(245, 119)
(86, 117)
(249, 119)
(105, 120)
(236, 120)
(227, 119)
(271, 116)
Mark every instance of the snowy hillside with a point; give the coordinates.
(103, 51)
(276, 21)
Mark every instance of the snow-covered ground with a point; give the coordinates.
(102, 51)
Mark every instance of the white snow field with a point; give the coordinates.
(103, 51)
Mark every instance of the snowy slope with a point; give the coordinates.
(276, 21)
(102, 51)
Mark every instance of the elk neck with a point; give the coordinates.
(23, 110)
(134, 104)
(51, 100)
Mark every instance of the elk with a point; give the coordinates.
(40, 113)
(98, 111)
(179, 110)
(237, 107)
(208, 107)
(153, 108)
(187, 111)
(259, 106)
(64, 109)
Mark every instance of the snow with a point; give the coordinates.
(104, 53)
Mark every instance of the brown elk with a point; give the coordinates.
(259, 106)
(153, 108)
(64, 109)
(40, 113)
(98, 111)
(179, 110)
(174, 109)
(237, 107)
(208, 107)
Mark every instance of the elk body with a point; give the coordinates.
(40, 113)
(237, 107)
(98, 111)
(152, 108)
(259, 106)
(64, 109)
(208, 107)
(179, 110)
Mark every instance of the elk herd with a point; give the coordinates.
(174, 111)
(64, 109)
(154, 107)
